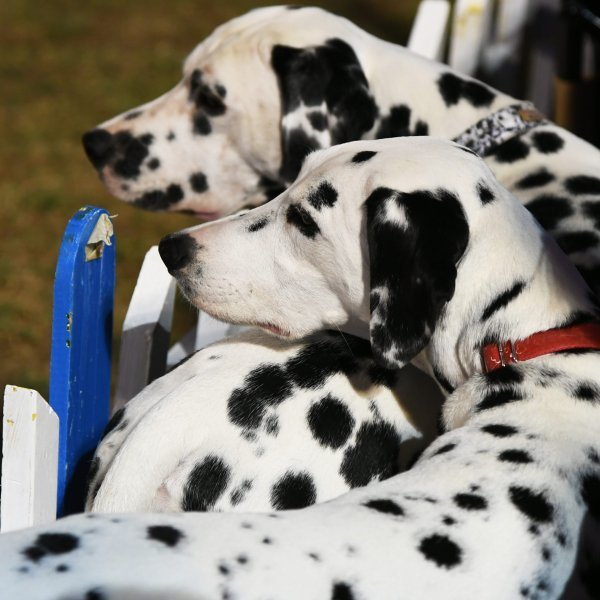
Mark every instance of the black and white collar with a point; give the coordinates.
(500, 127)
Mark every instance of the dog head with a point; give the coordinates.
(256, 97)
(362, 241)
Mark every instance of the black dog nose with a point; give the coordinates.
(99, 146)
(177, 250)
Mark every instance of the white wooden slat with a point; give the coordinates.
(428, 32)
(470, 27)
(184, 347)
(503, 49)
(146, 329)
(211, 330)
(29, 460)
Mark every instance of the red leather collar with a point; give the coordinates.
(576, 337)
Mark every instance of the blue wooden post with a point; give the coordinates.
(81, 347)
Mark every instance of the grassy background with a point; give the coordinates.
(66, 66)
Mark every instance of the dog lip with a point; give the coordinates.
(274, 329)
(206, 215)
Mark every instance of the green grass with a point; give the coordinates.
(66, 66)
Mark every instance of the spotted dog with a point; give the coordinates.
(289, 425)
(492, 509)
(269, 87)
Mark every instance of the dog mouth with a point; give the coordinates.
(274, 329)
(205, 215)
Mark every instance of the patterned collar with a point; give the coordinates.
(499, 127)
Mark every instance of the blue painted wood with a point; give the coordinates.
(81, 353)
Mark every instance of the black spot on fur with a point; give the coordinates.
(146, 139)
(328, 74)
(198, 182)
(170, 136)
(239, 493)
(258, 225)
(397, 124)
(511, 151)
(577, 241)
(500, 397)
(166, 534)
(515, 456)
(444, 449)
(51, 544)
(374, 455)
(153, 164)
(470, 501)
(547, 142)
(160, 199)
(416, 266)
(485, 194)
(499, 430)
(293, 490)
(267, 541)
(324, 195)
(202, 125)
(507, 375)
(454, 88)
(330, 422)
(549, 210)
(205, 484)
(533, 505)
(342, 591)
(363, 156)
(448, 520)
(302, 220)
(318, 360)
(583, 184)
(204, 97)
(267, 385)
(130, 153)
(441, 550)
(502, 300)
(134, 114)
(318, 120)
(385, 506)
(587, 391)
(537, 179)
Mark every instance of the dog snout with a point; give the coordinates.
(176, 251)
(99, 146)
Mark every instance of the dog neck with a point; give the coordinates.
(426, 93)
(505, 291)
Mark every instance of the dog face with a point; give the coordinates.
(256, 97)
(360, 242)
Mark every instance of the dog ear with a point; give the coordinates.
(415, 241)
(325, 100)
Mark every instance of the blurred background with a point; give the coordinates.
(65, 67)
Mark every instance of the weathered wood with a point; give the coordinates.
(428, 32)
(80, 361)
(29, 460)
(146, 329)
(470, 27)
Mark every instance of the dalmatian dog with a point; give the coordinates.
(267, 88)
(437, 273)
(221, 432)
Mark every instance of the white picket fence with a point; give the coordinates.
(30, 456)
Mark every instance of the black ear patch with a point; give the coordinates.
(328, 76)
(413, 267)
